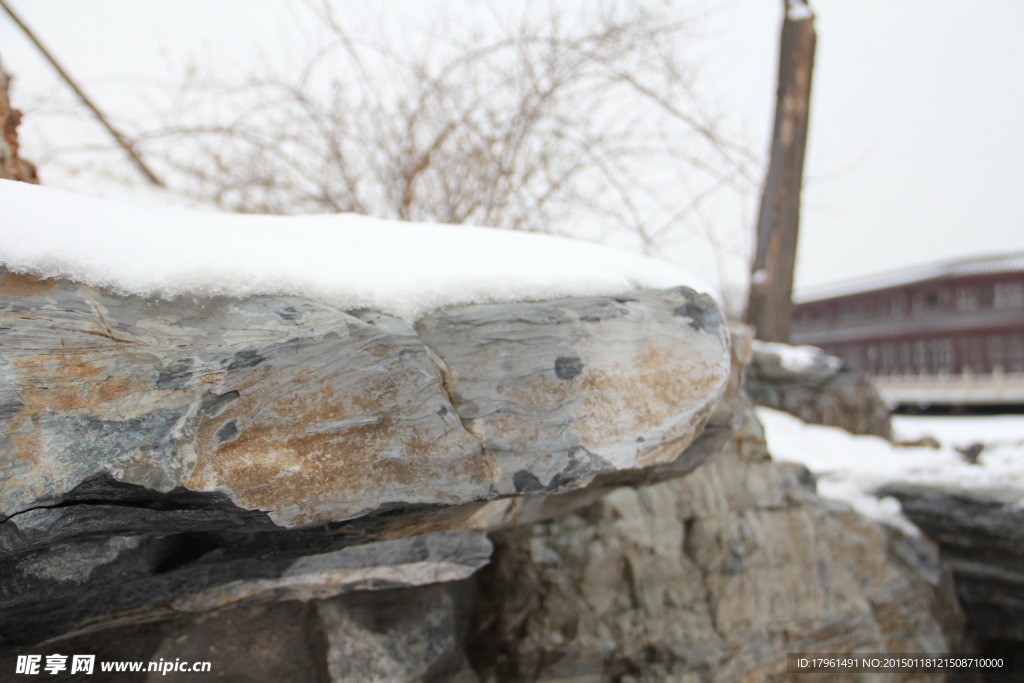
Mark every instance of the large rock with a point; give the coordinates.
(92, 584)
(981, 534)
(163, 456)
(292, 492)
(715, 576)
(313, 415)
(806, 382)
(260, 524)
(404, 634)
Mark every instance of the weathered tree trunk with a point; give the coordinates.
(778, 223)
(12, 166)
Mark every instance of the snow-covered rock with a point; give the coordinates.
(715, 576)
(196, 436)
(159, 420)
(973, 510)
(806, 382)
(981, 534)
(346, 261)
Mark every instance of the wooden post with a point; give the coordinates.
(778, 222)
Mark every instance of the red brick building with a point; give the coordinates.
(963, 319)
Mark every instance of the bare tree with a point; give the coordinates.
(511, 130)
(546, 120)
(778, 224)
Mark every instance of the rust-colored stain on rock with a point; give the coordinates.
(314, 446)
(69, 382)
(647, 394)
(17, 284)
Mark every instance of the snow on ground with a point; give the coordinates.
(401, 269)
(850, 468)
(960, 431)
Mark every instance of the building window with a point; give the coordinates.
(976, 354)
(888, 359)
(943, 356)
(853, 310)
(996, 357)
(1009, 295)
(926, 302)
(897, 307)
(920, 357)
(1015, 352)
(966, 299)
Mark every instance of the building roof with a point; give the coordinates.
(984, 265)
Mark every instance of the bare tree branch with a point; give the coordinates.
(542, 121)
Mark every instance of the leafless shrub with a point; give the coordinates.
(579, 121)
(516, 130)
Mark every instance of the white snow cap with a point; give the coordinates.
(797, 358)
(397, 268)
(799, 11)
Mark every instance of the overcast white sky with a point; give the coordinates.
(916, 142)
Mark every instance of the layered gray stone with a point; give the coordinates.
(715, 576)
(627, 547)
(177, 456)
(283, 405)
(90, 584)
(404, 634)
(819, 391)
(313, 415)
(981, 534)
(557, 393)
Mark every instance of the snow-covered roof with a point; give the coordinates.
(979, 265)
(398, 268)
